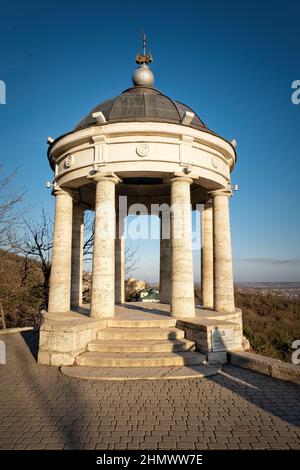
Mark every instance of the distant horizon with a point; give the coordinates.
(199, 282)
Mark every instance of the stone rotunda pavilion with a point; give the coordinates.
(154, 150)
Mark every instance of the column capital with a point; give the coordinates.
(221, 192)
(104, 176)
(180, 179)
(57, 191)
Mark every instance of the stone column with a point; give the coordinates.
(103, 284)
(77, 255)
(119, 261)
(182, 293)
(207, 260)
(165, 267)
(223, 275)
(60, 277)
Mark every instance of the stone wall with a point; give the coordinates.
(266, 365)
(64, 336)
(202, 329)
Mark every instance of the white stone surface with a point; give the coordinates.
(182, 293)
(144, 328)
(103, 284)
(108, 153)
(60, 278)
(140, 373)
(65, 335)
(223, 274)
(171, 147)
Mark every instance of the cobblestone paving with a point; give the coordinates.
(237, 409)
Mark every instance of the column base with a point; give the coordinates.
(191, 314)
(183, 309)
(101, 315)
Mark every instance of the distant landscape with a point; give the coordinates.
(283, 289)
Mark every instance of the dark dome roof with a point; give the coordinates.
(141, 103)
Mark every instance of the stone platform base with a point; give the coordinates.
(214, 333)
(65, 335)
(139, 336)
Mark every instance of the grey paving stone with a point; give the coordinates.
(236, 409)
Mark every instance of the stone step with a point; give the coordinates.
(131, 373)
(129, 346)
(99, 359)
(158, 322)
(138, 334)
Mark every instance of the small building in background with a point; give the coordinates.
(148, 295)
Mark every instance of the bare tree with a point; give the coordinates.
(131, 259)
(10, 207)
(35, 245)
(88, 243)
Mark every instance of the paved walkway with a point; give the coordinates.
(237, 409)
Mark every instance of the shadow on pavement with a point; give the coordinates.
(280, 399)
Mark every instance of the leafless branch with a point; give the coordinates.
(10, 208)
(89, 225)
(131, 259)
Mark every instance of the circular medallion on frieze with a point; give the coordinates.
(142, 150)
(69, 161)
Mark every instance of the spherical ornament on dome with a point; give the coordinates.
(143, 76)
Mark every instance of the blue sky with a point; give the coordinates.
(233, 62)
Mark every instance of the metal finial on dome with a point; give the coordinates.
(146, 57)
(143, 75)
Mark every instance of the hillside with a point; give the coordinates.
(271, 323)
(21, 290)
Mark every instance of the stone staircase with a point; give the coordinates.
(142, 349)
